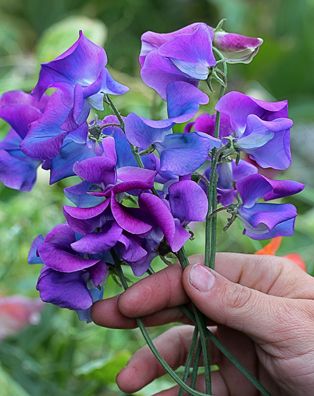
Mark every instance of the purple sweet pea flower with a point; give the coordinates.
(160, 216)
(113, 183)
(143, 133)
(67, 290)
(42, 124)
(68, 277)
(184, 55)
(81, 68)
(72, 290)
(56, 251)
(266, 220)
(261, 129)
(236, 48)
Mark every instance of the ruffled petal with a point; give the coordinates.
(65, 290)
(56, 254)
(99, 169)
(181, 236)
(191, 53)
(142, 135)
(183, 100)
(131, 250)
(126, 218)
(17, 173)
(98, 242)
(46, 135)
(98, 274)
(79, 195)
(188, 201)
(283, 188)
(264, 221)
(242, 170)
(82, 62)
(158, 211)
(238, 106)
(253, 188)
(158, 71)
(182, 154)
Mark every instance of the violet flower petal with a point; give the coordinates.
(17, 173)
(33, 256)
(238, 106)
(182, 154)
(191, 53)
(252, 188)
(97, 169)
(283, 188)
(160, 214)
(264, 220)
(56, 254)
(158, 71)
(98, 242)
(132, 250)
(126, 218)
(98, 274)
(65, 290)
(82, 62)
(46, 134)
(188, 201)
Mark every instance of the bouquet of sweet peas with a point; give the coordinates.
(142, 184)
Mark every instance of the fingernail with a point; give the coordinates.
(201, 278)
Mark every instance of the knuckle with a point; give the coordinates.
(237, 297)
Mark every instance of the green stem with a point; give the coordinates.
(189, 359)
(200, 324)
(197, 356)
(116, 112)
(150, 343)
(211, 218)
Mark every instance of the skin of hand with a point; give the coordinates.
(261, 308)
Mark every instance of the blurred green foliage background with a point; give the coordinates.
(61, 356)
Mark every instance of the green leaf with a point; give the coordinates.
(104, 370)
(9, 387)
(62, 35)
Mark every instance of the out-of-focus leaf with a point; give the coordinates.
(60, 36)
(104, 370)
(9, 387)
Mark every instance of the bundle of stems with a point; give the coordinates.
(202, 336)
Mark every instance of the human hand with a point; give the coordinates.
(264, 310)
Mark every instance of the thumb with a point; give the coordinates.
(259, 315)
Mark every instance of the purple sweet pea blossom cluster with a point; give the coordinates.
(141, 184)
